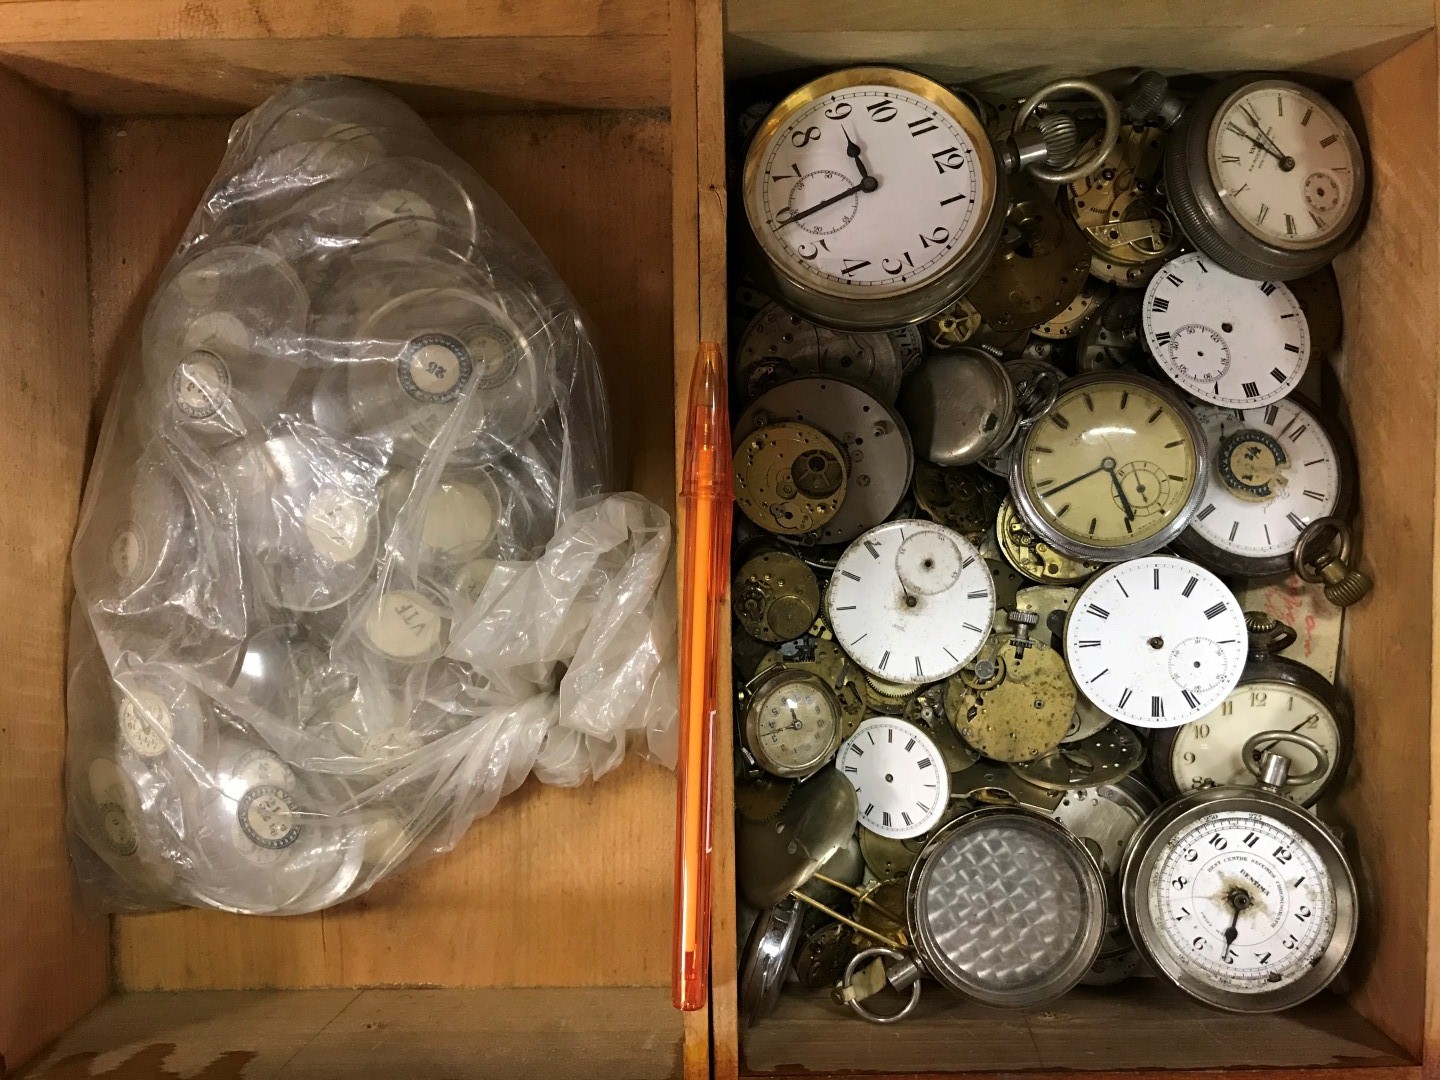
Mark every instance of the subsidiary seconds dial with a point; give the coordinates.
(911, 601)
(1156, 642)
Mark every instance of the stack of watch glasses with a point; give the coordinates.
(362, 397)
(1026, 399)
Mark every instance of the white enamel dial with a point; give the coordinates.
(911, 601)
(1242, 903)
(869, 190)
(1156, 642)
(793, 723)
(1273, 470)
(1286, 163)
(1207, 753)
(1225, 339)
(900, 780)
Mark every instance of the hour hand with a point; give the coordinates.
(867, 182)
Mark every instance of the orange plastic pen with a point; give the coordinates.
(705, 492)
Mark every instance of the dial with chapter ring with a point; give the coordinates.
(911, 601)
(793, 723)
(1274, 470)
(1156, 642)
(1225, 339)
(1112, 470)
(1286, 163)
(901, 785)
(1243, 903)
(868, 189)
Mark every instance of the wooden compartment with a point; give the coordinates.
(113, 117)
(1379, 61)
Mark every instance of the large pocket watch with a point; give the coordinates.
(1272, 472)
(1263, 174)
(875, 197)
(1115, 469)
(1239, 897)
(1274, 694)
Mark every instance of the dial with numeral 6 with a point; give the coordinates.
(901, 785)
(911, 601)
(1273, 470)
(1156, 642)
(871, 195)
(1225, 339)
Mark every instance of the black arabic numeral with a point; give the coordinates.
(811, 251)
(839, 111)
(949, 158)
(804, 138)
(938, 235)
(882, 112)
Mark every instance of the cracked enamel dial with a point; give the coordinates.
(1156, 642)
(1273, 470)
(911, 601)
(1225, 339)
(1286, 164)
(901, 785)
(1113, 470)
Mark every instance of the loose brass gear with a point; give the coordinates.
(1119, 209)
(1076, 314)
(761, 799)
(1021, 714)
(1032, 556)
(1040, 266)
(959, 497)
(926, 709)
(960, 324)
(776, 597)
(887, 698)
(790, 478)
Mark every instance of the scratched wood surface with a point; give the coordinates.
(557, 1034)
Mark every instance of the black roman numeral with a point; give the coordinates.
(924, 763)
(1190, 586)
(1157, 707)
(1163, 337)
(1267, 287)
(1250, 389)
(1289, 225)
(1278, 375)
(1125, 697)
(1088, 644)
(884, 659)
(1272, 413)
(1206, 512)
(873, 548)
(1157, 577)
(1292, 348)
(1190, 699)
(1329, 140)
(1316, 495)
(1098, 611)
(1216, 609)
(1294, 520)
(1174, 279)
(1160, 304)
(1305, 120)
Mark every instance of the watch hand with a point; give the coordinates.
(1102, 467)
(1109, 466)
(1238, 900)
(868, 184)
(1286, 161)
(853, 149)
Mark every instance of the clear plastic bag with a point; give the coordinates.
(345, 572)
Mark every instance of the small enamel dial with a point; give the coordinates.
(1273, 470)
(900, 780)
(1227, 340)
(911, 601)
(793, 723)
(1156, 642)
(1286, 164)
(1208, 752)
(1242, 902)
(1113, 470)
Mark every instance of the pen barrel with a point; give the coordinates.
(705, 576)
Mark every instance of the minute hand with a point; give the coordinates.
(1083, 476)
(822, 204)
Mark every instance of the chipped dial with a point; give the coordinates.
(911, 601)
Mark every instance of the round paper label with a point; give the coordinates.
(200, 385)
(403, 625)
(434, 368)
(337, 525)
(267, 817)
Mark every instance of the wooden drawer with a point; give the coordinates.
(113, 117)
(1383, 58)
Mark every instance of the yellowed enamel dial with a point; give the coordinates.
(1115, 469)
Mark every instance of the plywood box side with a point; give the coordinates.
(53, 956)
(1388, 284)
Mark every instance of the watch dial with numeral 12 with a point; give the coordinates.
(911, 601)
(901, 785)
(1273, 470)
(1225, 339)
(868, 183)
(1156, 642)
